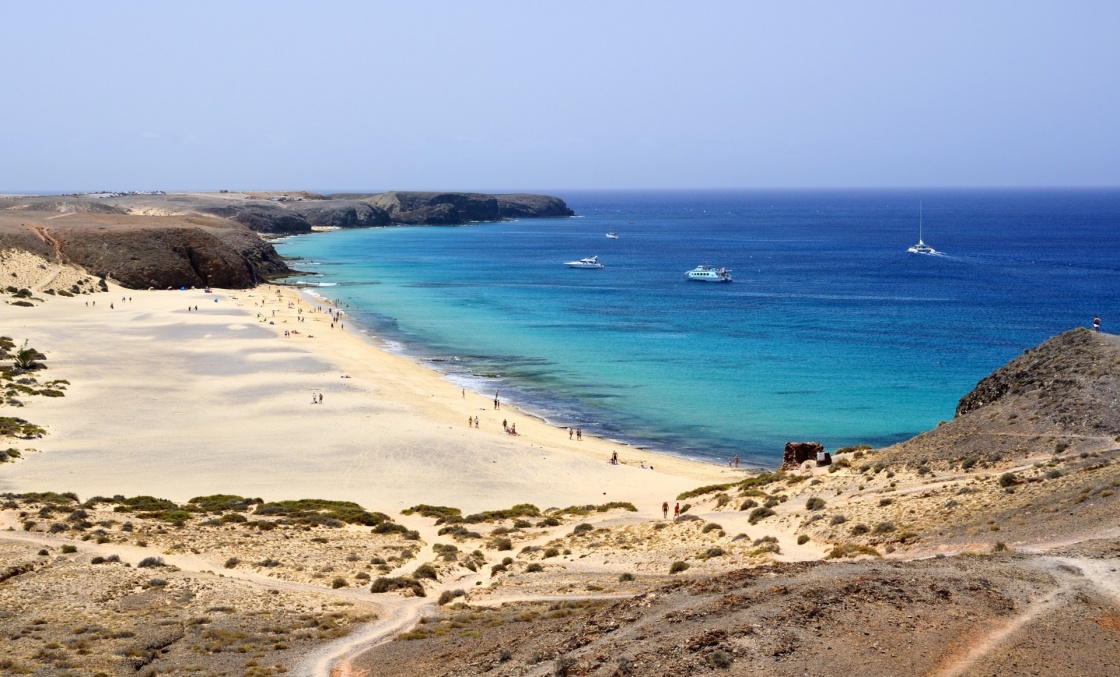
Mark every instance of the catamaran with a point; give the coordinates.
(921, 247)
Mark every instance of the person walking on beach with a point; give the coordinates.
(571, 431)
(504, 426)
(470, 421)
(320, 398)
(677, 511)
(736, 461)
(665, 510)
(476, 421)
(579, 434)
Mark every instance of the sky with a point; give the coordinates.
(523, 95)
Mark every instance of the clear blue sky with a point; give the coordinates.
(559, 95)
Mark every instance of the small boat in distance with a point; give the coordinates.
(589, 262)
(921, 247)
(709, 274)
(612, 236)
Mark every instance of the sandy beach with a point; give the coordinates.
(175, 402)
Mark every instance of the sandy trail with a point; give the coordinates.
(1072, 573)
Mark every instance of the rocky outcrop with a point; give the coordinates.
(431, 208)
(797, 453)
(261, 216)
(416, 208)
(341, 213)
(527, 205)
(1070, 380)
(1063, 394)
(139, 258)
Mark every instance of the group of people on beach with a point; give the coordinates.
(578, 433)
(665, 510)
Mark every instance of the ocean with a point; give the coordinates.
(830, 331)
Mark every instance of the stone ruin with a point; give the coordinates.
(797, 453)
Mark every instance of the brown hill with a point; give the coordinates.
(1063, 395)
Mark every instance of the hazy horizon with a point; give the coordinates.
(581, 96)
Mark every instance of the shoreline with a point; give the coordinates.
(207, 403)
(414, 352)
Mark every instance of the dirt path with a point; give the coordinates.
(1072, 573)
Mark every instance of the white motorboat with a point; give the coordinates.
(589, 262)
(921, 247)
(612, 236)
(709, 274)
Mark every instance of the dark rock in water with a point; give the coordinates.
(797, 453)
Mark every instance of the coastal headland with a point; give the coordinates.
(171, 240)
(243, 482)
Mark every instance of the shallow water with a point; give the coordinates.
(830, 331)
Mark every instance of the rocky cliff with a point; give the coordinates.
(1062, 394)
(141, 251)
(209, 239)
(417, 208)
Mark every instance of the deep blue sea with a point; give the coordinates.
(831, 331)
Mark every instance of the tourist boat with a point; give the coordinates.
(709, 274)
(590, 262)
(612, 236)
(921, 247)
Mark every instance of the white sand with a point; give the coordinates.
(178, 404)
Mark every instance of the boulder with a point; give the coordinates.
(797, 453)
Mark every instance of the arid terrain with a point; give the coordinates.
(989, 545)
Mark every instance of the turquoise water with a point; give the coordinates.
(830, 331)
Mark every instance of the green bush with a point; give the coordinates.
(802, 539)
(582, 528)
(720, 659)
(551, 552)
(625, 577)
(1008, 479)
(68, 549)
(448, 595)
(339, 582)
(814, 503)
(678, 567)
(533, 568)
(759, 514)
(425, 571)
(969, 462)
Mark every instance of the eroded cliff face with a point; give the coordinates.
(210, 239)
(139, 258)
(139, 252)
(434, 208)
